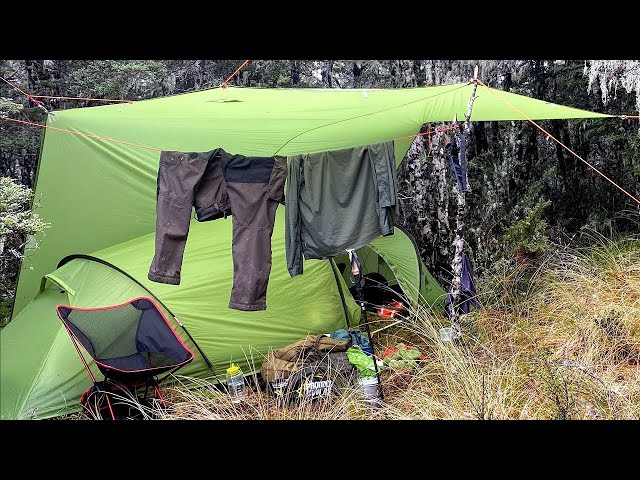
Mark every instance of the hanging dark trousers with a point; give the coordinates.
(217, 183)
(185, 180)
(256, 187)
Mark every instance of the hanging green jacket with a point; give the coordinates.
(338, 200)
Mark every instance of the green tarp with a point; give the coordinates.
(98, 193)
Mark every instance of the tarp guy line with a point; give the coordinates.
(41, 105)
(29, 97)
(97, 137)
(515, 109)
(224, 84)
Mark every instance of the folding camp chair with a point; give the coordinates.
(132, 344)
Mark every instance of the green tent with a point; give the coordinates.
(396, 262)
(96, 185)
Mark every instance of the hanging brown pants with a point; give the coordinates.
(217, 183)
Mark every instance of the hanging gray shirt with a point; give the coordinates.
(338, 200)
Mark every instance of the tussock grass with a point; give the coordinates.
(209, 402)
(557, 338)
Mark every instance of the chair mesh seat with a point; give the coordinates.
(128, 341)
(139, 361)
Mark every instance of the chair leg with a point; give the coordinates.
(159, 394)
(105, 392)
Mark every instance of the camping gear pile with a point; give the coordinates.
(318, 366)
(313, 367)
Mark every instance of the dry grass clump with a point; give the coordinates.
(556, 341)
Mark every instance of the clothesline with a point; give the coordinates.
(435, 130)
(439, 129)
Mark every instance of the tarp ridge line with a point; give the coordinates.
(369, 114)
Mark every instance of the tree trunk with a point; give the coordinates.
(295, 72)
(440, 168)
(327, 74)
